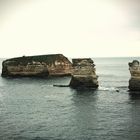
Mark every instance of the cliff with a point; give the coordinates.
(134, 82)
(41, 65)
(83, 74)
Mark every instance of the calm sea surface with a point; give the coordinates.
(32, 109)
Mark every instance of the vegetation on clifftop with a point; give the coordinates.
(49, 59)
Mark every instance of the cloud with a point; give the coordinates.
(98, 27)
(132, 7)
(7, 7)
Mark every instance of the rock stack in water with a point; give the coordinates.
(83, 74)
(40, 65)
(134, 82)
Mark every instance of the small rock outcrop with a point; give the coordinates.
(83, 74)
(134, 82)
(41, 65)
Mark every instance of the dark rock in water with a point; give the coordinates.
(83, 75)
(134, 82)
(61, 85)
(41, 65)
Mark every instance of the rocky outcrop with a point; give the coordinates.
(83, 74)
(41, 65)
(134, 82)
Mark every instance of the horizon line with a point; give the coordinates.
(78, 56)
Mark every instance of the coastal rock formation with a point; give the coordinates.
(83, 74)
(134, 82)
(41, 65)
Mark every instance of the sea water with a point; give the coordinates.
(32, 109)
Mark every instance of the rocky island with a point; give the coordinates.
(83, 74)
(40, 65)
(134, 82)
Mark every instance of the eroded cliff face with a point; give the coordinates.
(134, 82)
(83, 74)
(42, 65)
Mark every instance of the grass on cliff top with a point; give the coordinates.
(38, 58)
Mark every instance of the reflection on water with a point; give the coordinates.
(134, 95)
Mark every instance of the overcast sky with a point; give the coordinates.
(76, 28)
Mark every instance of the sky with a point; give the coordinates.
(75, 28)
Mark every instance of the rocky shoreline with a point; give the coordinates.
(37, 66)
(81, 70)
(134, 82)
(83, 74)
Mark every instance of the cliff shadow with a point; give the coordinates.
(84, 110)
(84, 95)
(134, 95)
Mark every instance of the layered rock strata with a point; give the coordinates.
(83, 74)
(41, 65)
(134, 82)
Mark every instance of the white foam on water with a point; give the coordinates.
(108, 88)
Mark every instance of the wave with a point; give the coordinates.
(106, 75)
(117, 89)
(122, 87)
(108, 88)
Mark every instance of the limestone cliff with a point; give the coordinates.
(83, 74)
(134, 82)
(41, 65)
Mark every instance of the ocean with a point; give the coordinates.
(32, 109)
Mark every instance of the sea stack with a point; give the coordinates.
(40, 65)
(134, 82)
(83, 75)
